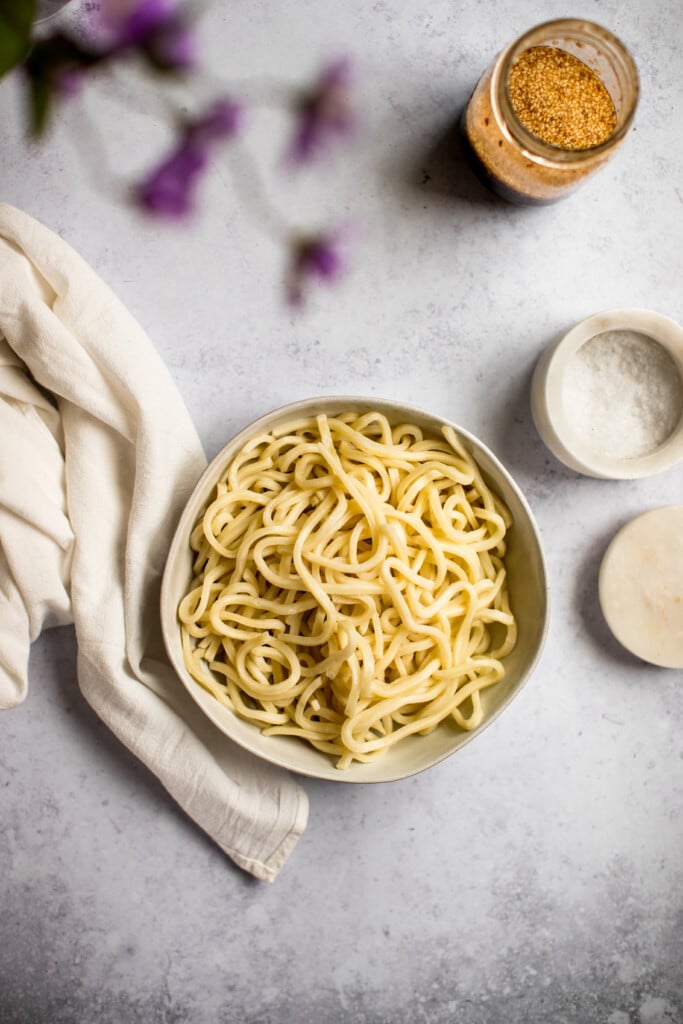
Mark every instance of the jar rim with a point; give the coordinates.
(534, 147)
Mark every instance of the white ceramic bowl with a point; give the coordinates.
(528, 596)
(554, 420)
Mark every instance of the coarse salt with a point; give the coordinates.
(622, 394)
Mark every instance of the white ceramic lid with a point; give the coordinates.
(641, 586)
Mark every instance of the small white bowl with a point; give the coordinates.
(554, 420)
(528, 588)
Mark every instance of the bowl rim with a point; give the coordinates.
(548, 411)
(214, 471)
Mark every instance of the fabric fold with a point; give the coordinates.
(97, 458)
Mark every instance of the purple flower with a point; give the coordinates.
(133, 21)
(323, 113)
(58, 64)
(68, 82)
(168, 191)
(317, 257)
(221, 121)
(55, 69)
(155, 27)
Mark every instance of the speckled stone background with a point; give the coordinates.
(537, 876)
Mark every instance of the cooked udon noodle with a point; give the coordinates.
(349, 585)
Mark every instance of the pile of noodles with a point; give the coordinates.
(349, 585)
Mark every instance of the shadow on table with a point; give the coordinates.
(587, 602)
(513, 435)
(447, 169)
(60, 643)
(444, 170)
(543, 478)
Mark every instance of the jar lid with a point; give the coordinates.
(641, 586)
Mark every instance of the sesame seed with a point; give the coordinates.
(560, 99)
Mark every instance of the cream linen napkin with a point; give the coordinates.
(97, 457)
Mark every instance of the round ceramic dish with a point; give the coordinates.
(554, 421)
(641, 586)
(528, 596)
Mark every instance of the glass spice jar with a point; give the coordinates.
(519, 146)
